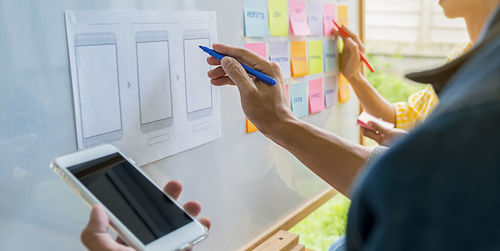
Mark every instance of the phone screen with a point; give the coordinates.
(131, 197)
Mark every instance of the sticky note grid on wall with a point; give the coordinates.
(296, 35)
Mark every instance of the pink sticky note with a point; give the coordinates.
(298, 18)
(259, 48)
(316, 97)
(329, 13)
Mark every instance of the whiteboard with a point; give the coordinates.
(246, 183)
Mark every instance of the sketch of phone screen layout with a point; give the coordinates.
(198, 88)
(99, 104)
(153, 77)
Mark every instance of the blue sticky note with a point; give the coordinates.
(330, 53)
(299, 99)
(256, 18)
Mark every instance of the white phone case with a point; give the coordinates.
(180, 239)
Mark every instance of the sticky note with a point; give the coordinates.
(316, 97)
(343, 15)
(329, 14)
(315, 18)
(259, 48)
(344, 89)
(278, 17)
(298, 59)
(278, 52)
(330, 53)
(250, 127)
(315, 49)
(331, 91)
(298, 18)
(299, 99)
(256, 18)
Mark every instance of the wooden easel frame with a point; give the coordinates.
(309, 207)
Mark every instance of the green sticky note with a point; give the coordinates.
(278, 17)
(315, 49)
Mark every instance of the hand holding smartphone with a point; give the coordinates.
(141, 214)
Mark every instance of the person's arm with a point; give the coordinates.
(350, 66)
(335, 160)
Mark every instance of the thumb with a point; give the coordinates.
(95, 236)
(237, 74)
(99, 220)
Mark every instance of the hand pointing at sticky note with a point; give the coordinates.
(263, 103)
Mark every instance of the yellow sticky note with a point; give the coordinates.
(344, 89)
(278, 17)
(343, 15)
(315, 50)
(250, 127)
(298, 59)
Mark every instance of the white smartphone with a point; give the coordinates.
(140, 212)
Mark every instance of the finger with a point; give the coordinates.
(237, 74)
(173, 189)
(99, 220)
(246, 57)
(216, 73)
(206, 222)
(379, 127)
(372, 135)
(95, 236)
(335, 33)
(352, 47)
(193, 208)
(222, 81)
(354, 37)
(213, 61)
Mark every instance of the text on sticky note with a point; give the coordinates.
(278, 17)
(299, 59)
(315, 49)
(316, 98)
(298, 18)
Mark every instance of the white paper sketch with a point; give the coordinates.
(139, 81)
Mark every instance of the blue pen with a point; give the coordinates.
(257, 74)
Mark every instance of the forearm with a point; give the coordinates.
(335, 160)
(371, 101)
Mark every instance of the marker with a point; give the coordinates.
(257, 74)
(344, 34)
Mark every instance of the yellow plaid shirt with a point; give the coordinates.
(422, 103)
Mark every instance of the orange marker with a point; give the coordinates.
(344, 34)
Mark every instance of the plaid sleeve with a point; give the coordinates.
(419, 106)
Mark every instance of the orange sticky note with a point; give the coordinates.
(344, 89)
(250, 127)
(343, 15)
(299, 59)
